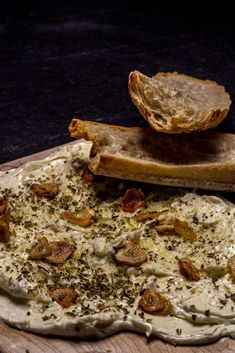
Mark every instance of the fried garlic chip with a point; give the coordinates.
(40, 250)
(182, 228)
(144, 216)
(155, 303)
(64, 296)
(61, 251)
(131, 254)
(45, 190)
(189, 270)
(81, 218)
(133, 200)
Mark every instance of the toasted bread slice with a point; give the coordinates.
(204, 160)
(175, 103)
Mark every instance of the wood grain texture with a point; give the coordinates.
(16, 341)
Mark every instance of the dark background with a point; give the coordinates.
(60, 60)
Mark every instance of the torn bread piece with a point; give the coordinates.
(176, 103)
(204, 160)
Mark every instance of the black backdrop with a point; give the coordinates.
(60, 60)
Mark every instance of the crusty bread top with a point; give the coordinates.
(148, 145)
(175, 103)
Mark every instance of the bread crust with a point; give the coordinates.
(177, 124)
(121, 168)
(204, 160)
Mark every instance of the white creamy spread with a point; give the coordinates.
(108, 294)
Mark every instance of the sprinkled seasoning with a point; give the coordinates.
(178, 331)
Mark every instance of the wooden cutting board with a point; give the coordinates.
(16, 341)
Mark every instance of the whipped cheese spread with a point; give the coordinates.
(109, 293)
